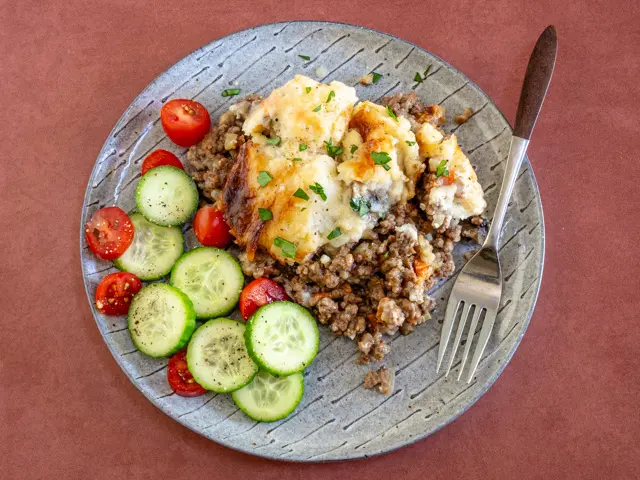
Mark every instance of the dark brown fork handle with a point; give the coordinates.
(536, 82)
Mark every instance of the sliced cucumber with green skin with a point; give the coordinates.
(211, 278)
(217, 356)
(161, 320)
(269, 398)
(167, 196)
(282, 338)
(154, 249)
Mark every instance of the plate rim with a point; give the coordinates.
(444, 423)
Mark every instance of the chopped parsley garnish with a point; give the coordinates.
(333, 150)
(305, 57)
(354, 148)
(317, 189)
(265, 214)
(335, 233)
(426, 72)
(264, 178)
(273, 141)
(442, 169)
(296, 159)
(376, 76)
(331, 95)
(317, 109)
(230, 92)
(301, 194)
(308, 89)
(381, 158)
(360, 206)
(410, 143)
(302, 147)
(417, 78)
(287, 248)
(391, 114)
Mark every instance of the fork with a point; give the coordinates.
(479, 285)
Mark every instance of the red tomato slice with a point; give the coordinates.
(109, 233)
(258, 293)
(210, 228)
(186, 122)
(115, 291)
(180, 378)
(157, 158)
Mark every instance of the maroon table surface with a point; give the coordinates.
(567, 404)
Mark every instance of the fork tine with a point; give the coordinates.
(447, 327)
(487, 326)
(472, 330)
(456, 342)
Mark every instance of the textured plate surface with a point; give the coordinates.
(337, 418)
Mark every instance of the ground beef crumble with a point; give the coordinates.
(364, 290)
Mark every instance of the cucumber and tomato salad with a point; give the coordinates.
(260, 361)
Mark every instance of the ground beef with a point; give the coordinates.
(382, 378)
(409, 106)
(211, 159)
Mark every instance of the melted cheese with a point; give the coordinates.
(459, 195)
(290, 113)
(372, 129)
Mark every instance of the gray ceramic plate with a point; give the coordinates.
(338, 418)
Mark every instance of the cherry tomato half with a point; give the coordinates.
(157, 158)
(180, 378)
(186, 122)
(109, 233)
(210, 228)
(115, 291)
(258, 293)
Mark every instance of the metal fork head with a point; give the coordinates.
(477, 290)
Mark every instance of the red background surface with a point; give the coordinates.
(567, 404)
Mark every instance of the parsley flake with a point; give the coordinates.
(354, 148)
(442, 170)
(296, 159)
(381, 158)
(417, 78)
(317, 109)
(376, 76)
(335, 233)
(264, 178)
(308, 89)
(426, 72)
(391, 113)
(305, 57)
(302, 147)
(410, 143)
(301, 194)
(331, 95)
(317, 189)
(287, 248)
(360, 206)
(273, 141)
(265, 214)
(333, 150)
(230, 92)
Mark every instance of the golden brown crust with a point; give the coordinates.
(237, 203)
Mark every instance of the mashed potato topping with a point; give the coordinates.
(327, 169)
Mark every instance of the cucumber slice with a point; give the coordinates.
(211, 278)
(269, 398)
(161, 320)
(217, 357)
(167, 196)
(154, 249)
(282, 338)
